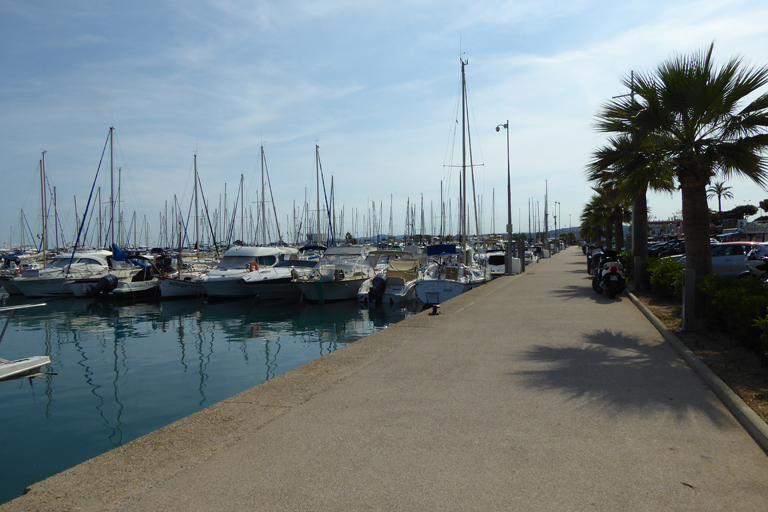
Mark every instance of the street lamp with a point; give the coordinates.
(508, 252)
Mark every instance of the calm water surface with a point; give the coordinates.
(122, 371)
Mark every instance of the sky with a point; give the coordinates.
(374, 85)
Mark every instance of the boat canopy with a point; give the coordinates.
(440, 249)
(346, 250)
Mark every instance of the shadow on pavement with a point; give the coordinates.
(621, 374)
(585, 291)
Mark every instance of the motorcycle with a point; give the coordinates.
(608, 274)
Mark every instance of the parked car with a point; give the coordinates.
(672, 248)
(729, 259)
(655, 250)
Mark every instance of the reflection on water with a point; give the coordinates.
(122, 371)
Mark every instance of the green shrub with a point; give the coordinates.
(665, 277)
(736, 306)
(629, 264)
(761, 323)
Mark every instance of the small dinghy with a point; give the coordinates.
(27, 366)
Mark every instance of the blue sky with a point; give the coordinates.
(375, 85)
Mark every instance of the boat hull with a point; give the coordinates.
(437, 291)
(171, 288)
(330, 291)
(225, 288)
(22, 367)
(36, 287)
(10, 288)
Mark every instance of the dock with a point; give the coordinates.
(529, 393)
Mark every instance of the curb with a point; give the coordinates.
(748, 419)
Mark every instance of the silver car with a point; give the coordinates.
(729, 259)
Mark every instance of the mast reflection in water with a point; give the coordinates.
(124, 371)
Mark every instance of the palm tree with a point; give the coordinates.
(720, 190)
(627, 163)
(605, 214)
(690, 118)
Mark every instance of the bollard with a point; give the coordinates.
(521, 254)
(689, 295)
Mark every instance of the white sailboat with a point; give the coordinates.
(453, 269)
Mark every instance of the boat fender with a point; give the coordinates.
(253, 266)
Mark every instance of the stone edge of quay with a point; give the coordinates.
(748, 418)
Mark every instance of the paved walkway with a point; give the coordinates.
(529, 393)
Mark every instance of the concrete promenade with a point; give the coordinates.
(529, 393)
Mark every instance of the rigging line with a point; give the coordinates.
(327, 206)
(129, 178)
(90, 196)
(472, 172)
(208, 217)
(470, 107)
(234, 216)
(274, 207)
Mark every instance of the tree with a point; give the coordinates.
(690, 117)
(741, 212)
(720, 190)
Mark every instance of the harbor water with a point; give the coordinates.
(118, 372)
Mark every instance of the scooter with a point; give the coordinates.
(609, 274)
(757, 268)
(593, 256)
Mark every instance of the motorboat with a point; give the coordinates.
(12, 265)
(224, 281)
(395, 279)
(277, 281)
(451, 272)
(494, 256)
(337, 275)
(72, 274)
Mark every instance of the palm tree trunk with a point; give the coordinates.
(609, 237)
(698, 255)
(618, 228)
(640, 236)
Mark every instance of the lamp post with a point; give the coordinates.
(508, 252)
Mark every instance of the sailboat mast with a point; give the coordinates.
(111, 187)
(317, 172)
(263, 198)
(42, 206)
(197, 245)
(464, 162)
(242, 210)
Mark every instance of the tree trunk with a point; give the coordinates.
(640, 236)
(618, 228)
(609, 237)
(698, 254)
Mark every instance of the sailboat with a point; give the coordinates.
(187, 281)
(453, 270)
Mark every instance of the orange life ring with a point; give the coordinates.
(254, 266)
